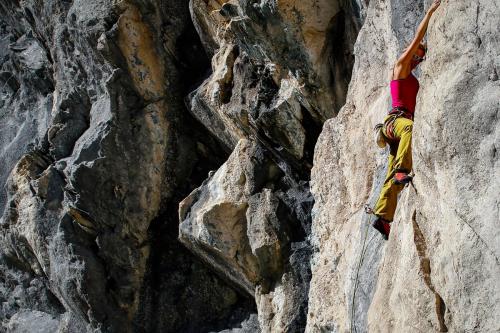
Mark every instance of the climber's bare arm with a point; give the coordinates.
(403, 65)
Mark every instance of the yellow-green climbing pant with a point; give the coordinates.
(399, 160)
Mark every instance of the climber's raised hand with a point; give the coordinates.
(405, 60)
(434, 6)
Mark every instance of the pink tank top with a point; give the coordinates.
(404, 93)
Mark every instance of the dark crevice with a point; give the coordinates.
(342, 32)
(176, 283)
(313, 129)
(267, 89)
(192, 60)
(226, 89)
(179, 292)
(28, 15)
(8, 79)
(425, 268)
(285, 160)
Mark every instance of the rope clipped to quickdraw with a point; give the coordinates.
(368, 210)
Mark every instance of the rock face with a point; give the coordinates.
(280, 69)
(248, 221)
(112, 114)
(439, 269)
(94, 92)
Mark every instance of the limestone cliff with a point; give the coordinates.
(203, 165)
(439, 270)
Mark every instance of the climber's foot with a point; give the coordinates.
(382, 226)
(402, 178)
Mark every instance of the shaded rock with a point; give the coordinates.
(184, 282)
(25, 94)
(283, 308)
(276, 77)
(97, 145)
(34, 321)
(267, 236)
(250, 325)
(213, 217)
(278, 67)
(21, 289)
(243, 223)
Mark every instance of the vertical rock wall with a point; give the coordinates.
(438, 271)
(112, 113)
(279, 70)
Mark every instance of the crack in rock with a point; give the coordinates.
(425, 268)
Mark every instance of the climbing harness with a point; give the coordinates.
(394, 114)
(401, 112)
(385, 131)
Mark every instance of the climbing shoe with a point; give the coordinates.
(382, 226)
(401, 178)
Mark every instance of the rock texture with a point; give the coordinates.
(93, 92)
(249, 223)
(438, 271)
(112, 113)
(280, 69)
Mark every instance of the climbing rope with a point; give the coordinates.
(360, 262)
(369, 211)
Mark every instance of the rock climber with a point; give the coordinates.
(398, 125)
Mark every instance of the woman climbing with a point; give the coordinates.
(398, 125)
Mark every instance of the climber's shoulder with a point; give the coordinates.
(401, 68)
(403, 60)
